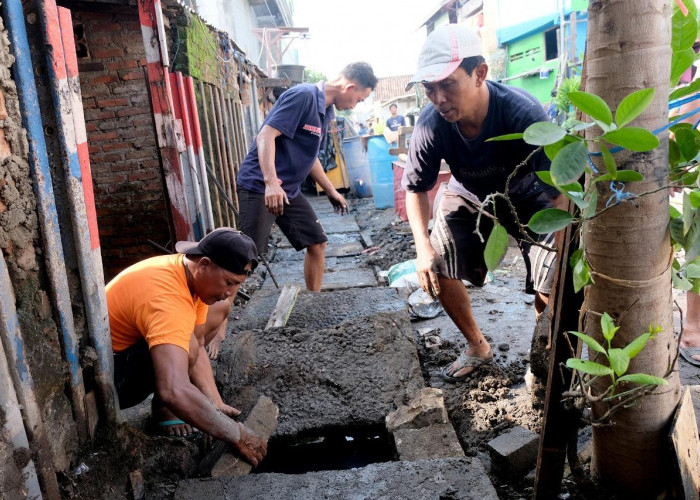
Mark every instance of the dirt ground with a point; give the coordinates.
(480, 408)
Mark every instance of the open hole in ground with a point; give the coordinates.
(335, 450)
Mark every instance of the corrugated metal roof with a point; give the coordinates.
(391, 87)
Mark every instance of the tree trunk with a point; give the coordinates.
(628, 246)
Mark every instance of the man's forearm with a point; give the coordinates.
(266, 156)
(320, 176)
(418, 212)
(202, 377)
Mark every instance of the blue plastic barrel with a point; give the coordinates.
(357, 165)
(381, 172)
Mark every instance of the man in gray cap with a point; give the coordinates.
(157, 310)
(466, 110)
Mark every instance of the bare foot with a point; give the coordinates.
(213, 346)
(162, 415)
(691, 338)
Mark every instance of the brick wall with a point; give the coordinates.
(130, 193)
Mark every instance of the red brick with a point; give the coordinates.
(90, 127)
(103, 79)
(98, 114)
(106, 158)
(142, 120)
(112, 103)
(88, 102)
(110, 27)
(106, 53)
(150, 164)
(134, 111)
(116, 146)
(132, 75)
(143, 176)
(107, 136)
(94, 149)
(124, 64)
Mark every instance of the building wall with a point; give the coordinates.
(237, 18)
(130, 196)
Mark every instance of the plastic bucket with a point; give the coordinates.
(357, 165)
(294, 72)
(400, 193)
(381, 173)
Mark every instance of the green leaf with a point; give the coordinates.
(629, 176)
(692, 271)
(592, 205)
(589, 367)
(506, 137)
(496, 246)
(608, 326)
(543, 134)
(579, 126)
(619, 360)
(609, 161)
(632, 138)
(684, 91)
(549, 220)
(580, 270)
(673, 212)
(592, 344)
(632, 106)
(545, 177)
(592, 105)
(684, 29)
(680, 62)
(674, 153)
(569, 164)
(687, 143)
(694, 198)
(633, 348)
(578, 197)
(680, 282)
(690, 178)
(551, 150)
(687, 213)
(643, 378)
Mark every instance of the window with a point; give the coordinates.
(551, 45)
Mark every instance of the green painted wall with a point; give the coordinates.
(526, 54)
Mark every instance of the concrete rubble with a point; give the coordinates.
(514, 451)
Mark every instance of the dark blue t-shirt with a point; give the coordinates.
(480, 167)
(394, 122)
(300, 114)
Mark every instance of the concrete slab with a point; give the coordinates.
(454, 478)
(514, 451)
(345, 377)
(320, 310)
(333, 239)
(427, 408)
(434, 441)
(338, 224)
(332, 250)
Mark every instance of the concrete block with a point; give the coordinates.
(514, 451)
(425, 409)
(433, 441)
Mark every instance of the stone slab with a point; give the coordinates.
(332, 250)
(339, 378)
(314, 310)
(514, 451)
(434, 441)
(333, 239)
(341, 275)
(340, 224)
(427, 408)
(454, 478)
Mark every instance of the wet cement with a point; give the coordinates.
(345, 377)
(424, 479)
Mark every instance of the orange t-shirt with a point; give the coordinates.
(151, 300)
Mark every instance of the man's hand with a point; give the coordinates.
(428, 264)
(275, 198)
(340, 206)
(229, 411)
(250, 445)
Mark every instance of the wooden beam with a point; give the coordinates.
(684, 436)
(280, 315)
(263, 421)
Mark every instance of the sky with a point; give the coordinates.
(385, 33)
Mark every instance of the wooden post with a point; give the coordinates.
(235, 162)
(225, 130)
(285, 304)
(226, 180)
(219, 155)
(559, 422)
(207, 127)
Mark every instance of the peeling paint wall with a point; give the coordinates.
(21, 246)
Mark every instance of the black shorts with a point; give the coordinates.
(134, 378)
(298, 222)
(453, 237)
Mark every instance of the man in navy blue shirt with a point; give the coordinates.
(395, 120)
(284, 153)
(465, 111)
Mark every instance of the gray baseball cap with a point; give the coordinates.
(443, 52)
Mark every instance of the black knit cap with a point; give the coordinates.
(226, 247)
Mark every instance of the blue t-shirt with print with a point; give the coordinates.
(394, 122)
(302, 118)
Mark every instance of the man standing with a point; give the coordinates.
(284, 153)
(157, 310)
(466, 110)
(395, 120)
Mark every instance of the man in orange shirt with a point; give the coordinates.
(157, 314)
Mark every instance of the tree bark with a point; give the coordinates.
(628, 246)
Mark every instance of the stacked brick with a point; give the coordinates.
(130, 192)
